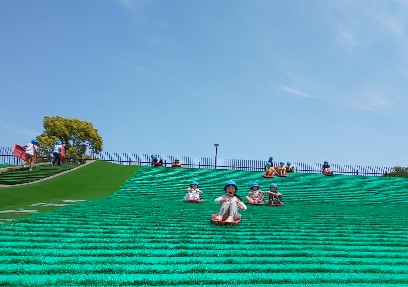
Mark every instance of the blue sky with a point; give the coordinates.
(302, 81)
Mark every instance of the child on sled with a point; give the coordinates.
(269, 170)
(231, 202)
(326, 168)
(282, 169)
(275, 197)
(193, 193)
(255, 195)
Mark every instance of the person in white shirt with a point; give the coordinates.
(231, 202)
(56, 159)
(31, 150)
(193, 193)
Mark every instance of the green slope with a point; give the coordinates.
(96, 180)
(331, 231)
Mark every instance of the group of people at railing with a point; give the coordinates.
(270, 170)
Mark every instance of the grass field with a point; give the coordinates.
(331, 231)
(97, 180)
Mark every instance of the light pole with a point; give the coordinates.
(216, 153)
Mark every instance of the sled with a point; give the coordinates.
(255, 203)
(274, 204)
(62, 154)
(327, 173)
(157, 164)
(193, 200)
(222, 222)
(19, 152)
(268, 176)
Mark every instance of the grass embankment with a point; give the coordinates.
(19, 175)
(93, 181)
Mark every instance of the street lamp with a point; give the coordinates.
(216, 153)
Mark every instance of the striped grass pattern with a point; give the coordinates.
(331, 231)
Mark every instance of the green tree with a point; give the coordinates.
(78, 136)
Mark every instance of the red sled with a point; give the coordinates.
(277, 172)
(176, 165)
(193, 200)
(157, 164)
(19, 151)
(275, 204)
(327, 173)
(281, 175)
(268, 176)
(256, 203)
(223, 222)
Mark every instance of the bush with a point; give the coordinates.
(398, 171)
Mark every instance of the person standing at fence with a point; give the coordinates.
(231, 202)
(56, 153)
(31, 150)
(269, 163)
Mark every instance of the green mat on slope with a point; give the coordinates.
(331, 231)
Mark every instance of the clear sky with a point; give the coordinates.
(300, 80)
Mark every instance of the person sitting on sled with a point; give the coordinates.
(275, 197)
(193, 193)
(290, 167)
(326, 168)
(270, 170)
(255, 195)
(282, 169)
(176, 163)
(156, 160)
(231, 202)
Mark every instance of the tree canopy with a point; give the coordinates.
(78, 136)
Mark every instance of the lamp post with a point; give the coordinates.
(216, 153)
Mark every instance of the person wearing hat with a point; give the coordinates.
(56, 153)
(275, 197)
(290, 167)
(281, 169)
(31, 149)
(255, 195)
(193, 193)
(326, 168)
(231, 202)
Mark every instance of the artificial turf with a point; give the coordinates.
(331, 231)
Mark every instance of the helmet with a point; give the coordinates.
(194, 182)
(273, 185)
(34, 141)
(281, 162)
(176, 159)
(288, 163)
(152, 155)
(230, 182)
(254, 184)
(268, 164)
(58, 142)
(326, 161)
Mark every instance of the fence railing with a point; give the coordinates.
(7, 157)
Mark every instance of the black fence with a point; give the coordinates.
(7, 157)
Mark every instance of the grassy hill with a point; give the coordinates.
(93, 181)
(331, 231)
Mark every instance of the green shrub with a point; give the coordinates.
(398, 171)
